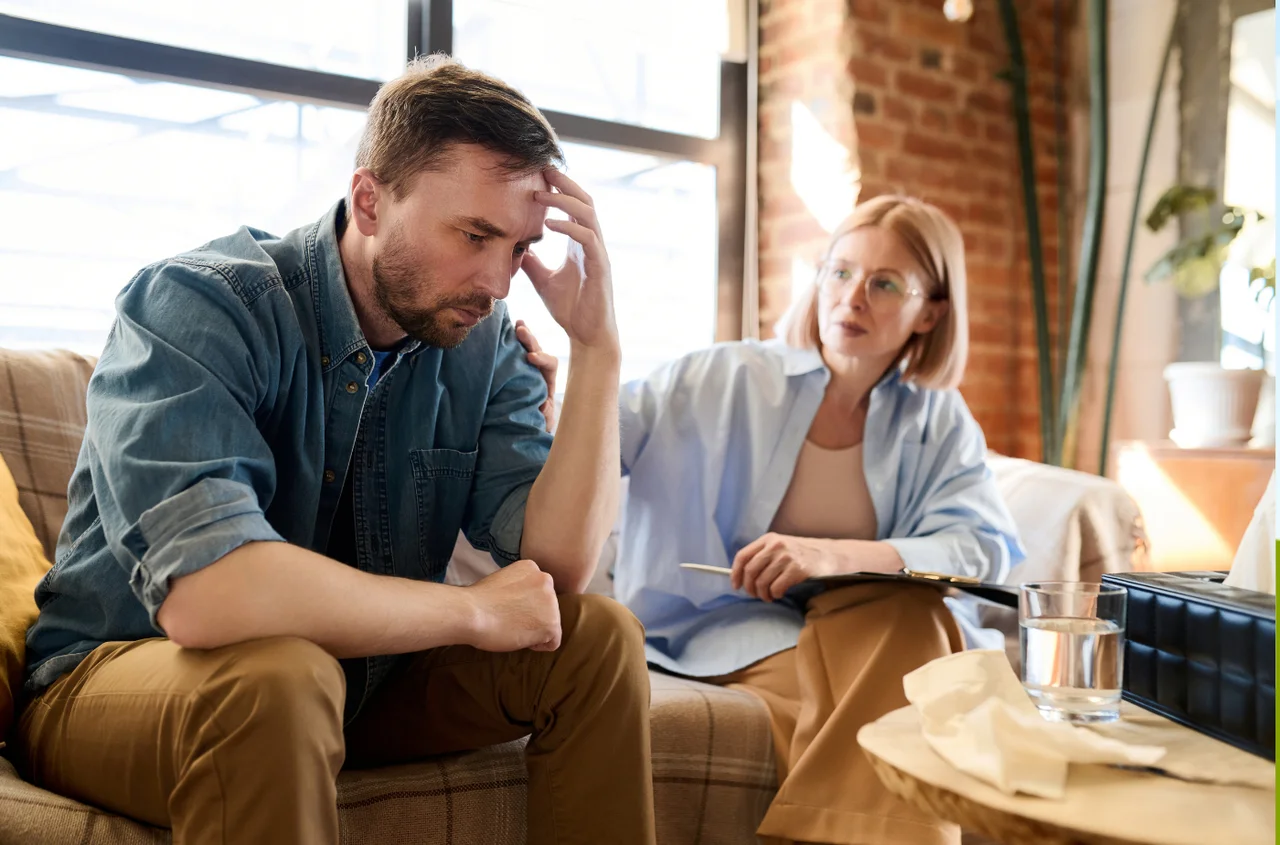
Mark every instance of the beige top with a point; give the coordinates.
(828, 497)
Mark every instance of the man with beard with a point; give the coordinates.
(285, 436)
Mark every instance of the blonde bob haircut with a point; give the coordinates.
(934, 360)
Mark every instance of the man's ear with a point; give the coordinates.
(368, 196)
(932, 313)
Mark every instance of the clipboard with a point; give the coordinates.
(1005, 595)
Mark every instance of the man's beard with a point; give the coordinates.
(396, 281)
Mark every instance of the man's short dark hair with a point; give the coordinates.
(416, 118)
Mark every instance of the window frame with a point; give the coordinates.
(430, 30)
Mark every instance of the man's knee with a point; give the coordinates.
(603, 642)
(601, 623)
(601, 657)
(283, 683)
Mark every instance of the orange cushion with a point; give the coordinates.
(22, 565)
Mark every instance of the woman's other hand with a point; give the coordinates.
(546, 364)
(773, 564)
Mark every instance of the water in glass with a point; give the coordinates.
(1072, 667)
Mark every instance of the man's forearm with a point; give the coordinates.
(271, 589)
(574, 502)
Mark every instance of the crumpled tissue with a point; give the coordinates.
(975, 715)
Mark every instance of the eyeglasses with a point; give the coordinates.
(885, 293)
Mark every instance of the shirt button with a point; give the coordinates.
(361, 358)
(330, 476)
(352, 387)
(324, 360)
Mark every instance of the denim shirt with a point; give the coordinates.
(230, 403)
(711, 442)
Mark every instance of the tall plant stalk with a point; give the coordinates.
(1135, 213)
(1059, 412)
(1064, 216)
(1095, 208)
(1017, 78)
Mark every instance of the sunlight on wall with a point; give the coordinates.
(802, 275)
(803, 272)
(1187, 538)
(821, 174)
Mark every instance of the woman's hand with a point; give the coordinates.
(773, 564)
(546, 364)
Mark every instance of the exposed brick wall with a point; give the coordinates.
(917, 101)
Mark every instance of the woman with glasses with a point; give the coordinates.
(842, 448)
(845, 448)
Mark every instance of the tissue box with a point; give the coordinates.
(1203, 654)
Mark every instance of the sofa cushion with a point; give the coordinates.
(713, 770)
(32, 815)
(1074, 525)
(42, 420)
(22, 565)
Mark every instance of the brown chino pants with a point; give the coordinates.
(846, 671)
(243, 744)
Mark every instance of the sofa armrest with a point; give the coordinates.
(1074, 526)
(42, 421)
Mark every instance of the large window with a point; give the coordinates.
(622, 60)
(129, 135)
(101, 174)
(1249, 181)
(362, 40)
(659, 221)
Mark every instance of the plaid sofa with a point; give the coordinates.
(713, 779)
(714, 773)
(713, 762)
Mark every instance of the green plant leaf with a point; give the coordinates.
(1166, 266)
(1197, 277)
(1264, 294)
(1199, 252)
(1177, 201)
(1267, 274)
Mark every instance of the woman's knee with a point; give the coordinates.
(878, 599)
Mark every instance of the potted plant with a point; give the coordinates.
(1212, 406)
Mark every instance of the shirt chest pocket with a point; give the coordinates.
(442, 485)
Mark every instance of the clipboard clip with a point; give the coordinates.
(940, 576)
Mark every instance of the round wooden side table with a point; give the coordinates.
(1102, 806)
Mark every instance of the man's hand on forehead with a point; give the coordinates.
(579, 294)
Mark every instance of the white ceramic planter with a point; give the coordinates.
(1212, 406)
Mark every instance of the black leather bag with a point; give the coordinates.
(1203, 654)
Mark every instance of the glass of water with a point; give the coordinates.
(1072, 636)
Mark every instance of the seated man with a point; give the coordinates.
(285, 435)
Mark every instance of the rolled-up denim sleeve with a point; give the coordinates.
(182, 470)
(959, 523)
(514, 445)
